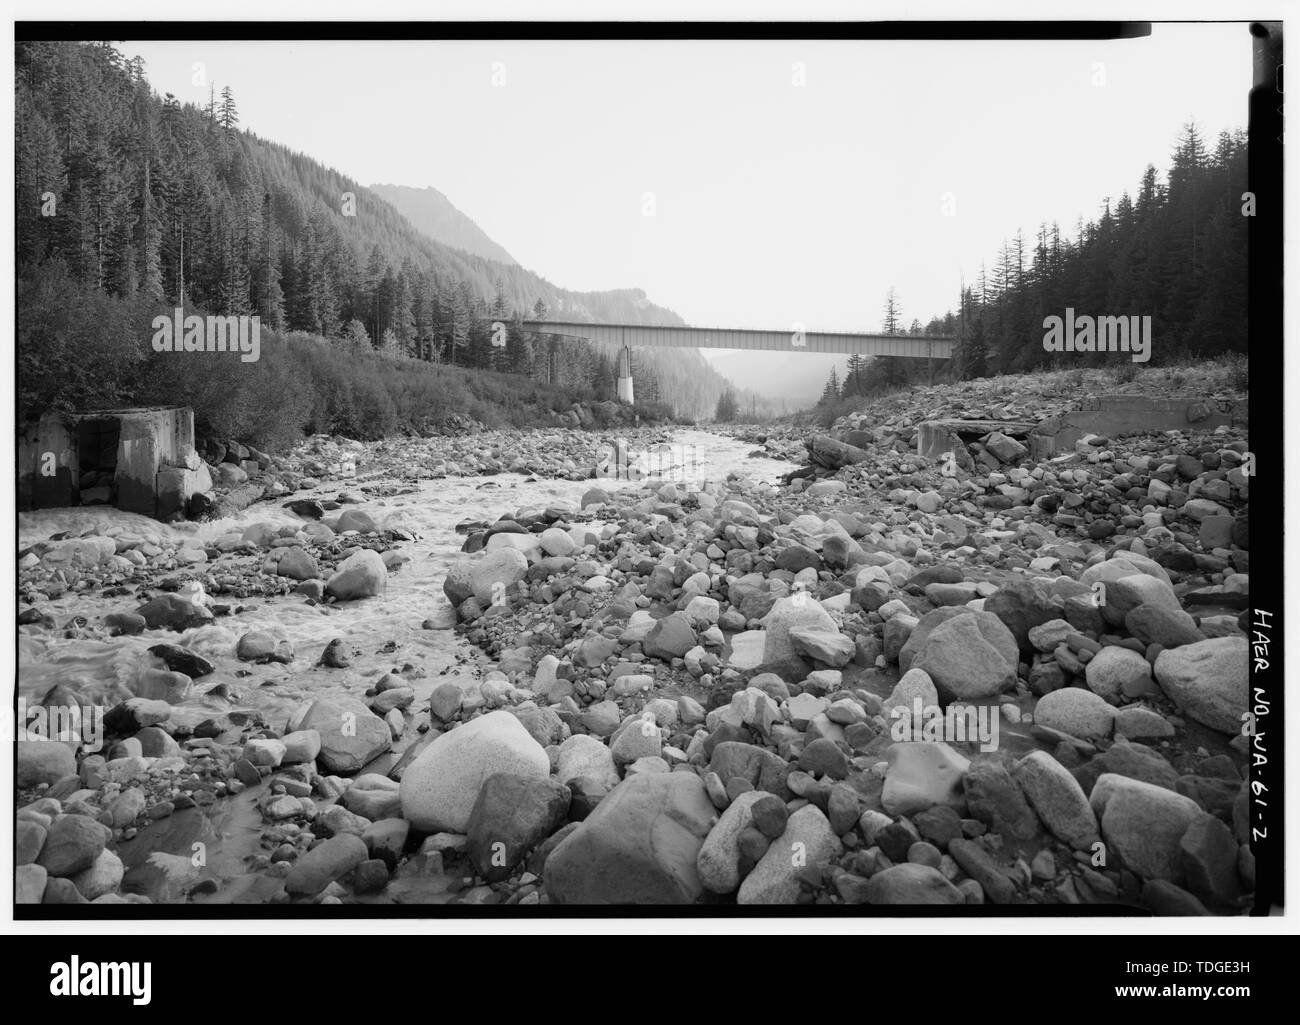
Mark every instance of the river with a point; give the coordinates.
(386, 631)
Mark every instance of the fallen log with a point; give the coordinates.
(235, 500)
(826, 451)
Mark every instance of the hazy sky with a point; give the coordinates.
(702, 173)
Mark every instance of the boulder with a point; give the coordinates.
(1005, 447)
(511, 816)
(29, 838)
(996, 799)
(43, 761)
(976, 861)
(182, 660)
(915, 632)
(1144, 824)
(324, 863)
(297, 564)
(1154, 624)
(913, 684)
(440, 787)
(969, 657)
(557, 542)
(808, 842)
(373, 797)
(1123, 563)
(1139, 722)
(262, 646)
(640, 845)
(1116, 672)
(1076, 711)
(350, 734)
(1125, 758)
(103, 876)
(172, 612)
(301, 746)
(584, 755)
(829, 647)
(30, 884)
(1209, 858)
(637, 739)
(1208, 680)
(484, 576)
(780, 655)
(72, 844)
(1021, 606)
(670, 637)
(1046, 637)
(760, 768)
(912, 884)
(361, 575)
(719, 859)
(356, 519)
(1127, 593)
(1057, 798)
(163, 685)
(922, 774)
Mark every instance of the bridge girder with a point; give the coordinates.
(833, 343)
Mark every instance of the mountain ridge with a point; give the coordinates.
(431, 212)
(160, 199)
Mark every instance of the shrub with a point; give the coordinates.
(1238, 368)
(1125, 372)
(77, 348)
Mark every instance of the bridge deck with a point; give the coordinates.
(638, 335)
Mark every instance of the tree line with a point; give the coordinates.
(153, 202)
(872, 375)
(1175, 250)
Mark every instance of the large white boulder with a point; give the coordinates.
(361, 575)
(440, 787)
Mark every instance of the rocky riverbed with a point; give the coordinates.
(463, 670)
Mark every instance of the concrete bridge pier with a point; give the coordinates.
(625, 376)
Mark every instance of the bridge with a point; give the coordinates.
(797, 340)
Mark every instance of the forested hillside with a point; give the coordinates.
(1176, 251)
(681, 378)
(129, 203)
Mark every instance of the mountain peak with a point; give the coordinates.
(434, 215)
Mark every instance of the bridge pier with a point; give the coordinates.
(625, 393)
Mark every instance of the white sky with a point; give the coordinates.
(774, 204)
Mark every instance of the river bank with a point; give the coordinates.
(375, 716)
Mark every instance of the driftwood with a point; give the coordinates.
(826, 451)
(235, 500)
(799, 474)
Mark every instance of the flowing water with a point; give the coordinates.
(411, 623)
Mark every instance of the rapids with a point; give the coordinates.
(412, 622)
